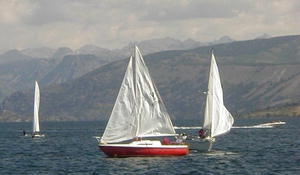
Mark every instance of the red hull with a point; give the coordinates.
(114, 151)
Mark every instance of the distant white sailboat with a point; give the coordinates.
(217, 119)
(36, 123)
(139, 118)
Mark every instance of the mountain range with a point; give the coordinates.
(256, 75)
(20, 68)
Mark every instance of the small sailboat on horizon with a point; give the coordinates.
(217, 119)
(36, 122)
(139, 124)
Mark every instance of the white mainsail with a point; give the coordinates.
(217, 119)
(152, 116)
(36, 125)
(138, 110)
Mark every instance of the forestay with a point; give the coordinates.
(217, 118)
(138, 110)
(36, 125)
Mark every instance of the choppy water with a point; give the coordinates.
(69, 148)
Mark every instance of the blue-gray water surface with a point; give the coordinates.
(69, 148)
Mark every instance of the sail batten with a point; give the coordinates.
(138, 110)
(217, 119)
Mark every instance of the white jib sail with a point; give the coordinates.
(121, 124)
(138, 110)
(36, 124)
(217, 118)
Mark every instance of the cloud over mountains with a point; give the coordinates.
(112, 23)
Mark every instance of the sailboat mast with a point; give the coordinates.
(211, 91)
(134, 72)
(136, 108)
(209, 105)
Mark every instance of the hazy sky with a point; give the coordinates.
(115, 23)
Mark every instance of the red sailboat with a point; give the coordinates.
(139, 124)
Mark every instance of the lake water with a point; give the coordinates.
(69, 148)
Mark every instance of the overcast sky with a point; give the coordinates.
(115, 23)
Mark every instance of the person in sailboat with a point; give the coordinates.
(136, 139)
(202, 133)
(166, 141)
(24, 132)
(181, 138)
(184, 136)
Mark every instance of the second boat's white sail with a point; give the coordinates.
(36, 124)
(138, 110)
(217, 119)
